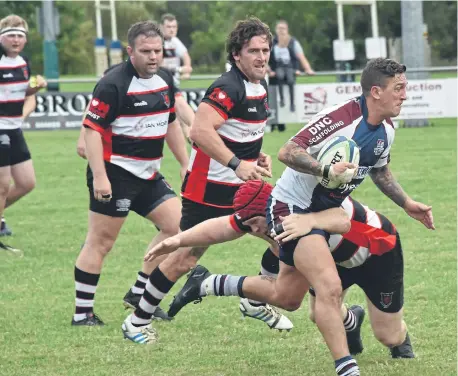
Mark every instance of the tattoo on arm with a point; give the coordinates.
(295, 157)
(268, 278)
(197, 252)
(385, 181)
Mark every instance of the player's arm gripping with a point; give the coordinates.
(385, 181)
(297, 158)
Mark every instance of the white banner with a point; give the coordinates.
(430, 98)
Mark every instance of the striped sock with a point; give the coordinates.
(222, 285)
(156, 289)
(350, 321)
(139, 286)
(347, 366)
(270, 266)
(85, 286)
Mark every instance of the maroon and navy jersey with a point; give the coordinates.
(346, 119)
(14, 82)
(132, 114)
(244, 107)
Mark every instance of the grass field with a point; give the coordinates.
(196, 84)
(210, 339)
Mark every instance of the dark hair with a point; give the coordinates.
(146, 28)
(242, 33)
(377, 71)
(167, 17)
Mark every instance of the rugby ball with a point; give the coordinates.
(337, 149)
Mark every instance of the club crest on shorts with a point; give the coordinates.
(386, 298)
(165, 96)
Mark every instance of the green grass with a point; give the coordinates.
(196, 84)
(210, 339)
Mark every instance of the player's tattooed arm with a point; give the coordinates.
(295, 157)
(385, 181)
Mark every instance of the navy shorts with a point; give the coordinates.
(274, 210)
(380, 277)
(129, 192)
(13, 148)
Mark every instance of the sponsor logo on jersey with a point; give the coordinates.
(220, 96)
(380, 147)
(252, 109)
(8, 75)
(139, 104)
(98, 109)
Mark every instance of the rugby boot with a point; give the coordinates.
(404, 350)
(131, 301)
(91, 320)
(354, 341)
(265, 312)
(190, 291)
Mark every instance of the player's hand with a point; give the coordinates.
(265, 161)
(310, 72)
(164, 247)
(272, 74)
(81, 148)
(343, 172)
(185, 76)
(421, 212)
(41, 82)
(102, 189)
(249, 171)
(294, 226)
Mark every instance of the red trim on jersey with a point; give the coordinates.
(241, 142)
(107, 144)
(94, 126)
(197, 179)
(14, 83)
(148, 91)
(136, 158)
(140, 137)
(179, 94)
(153, 176)
(258, 97)
(13, 101)
(13, 67)
(148, 114)
(375, 239)
(250, 121)
(219, 111)
(10, 117)
(233, 223)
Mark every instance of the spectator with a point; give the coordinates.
(285, 60)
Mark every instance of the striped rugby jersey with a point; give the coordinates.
(345, 119)
(132, 114)
(345, 250)
(14, 81)
(244, 106)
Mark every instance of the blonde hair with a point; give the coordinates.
(13, 21)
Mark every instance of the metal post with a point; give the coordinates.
(50, 52)
(100, 49)
(374, 19)
(413, 47)
(115, 46)
(340, 22)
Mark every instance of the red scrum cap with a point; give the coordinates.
(251, 199)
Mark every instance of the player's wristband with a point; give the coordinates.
(234, 163)
(326, 169)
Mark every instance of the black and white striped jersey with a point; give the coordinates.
(14, 81)
(132, 115)
(244, 107)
